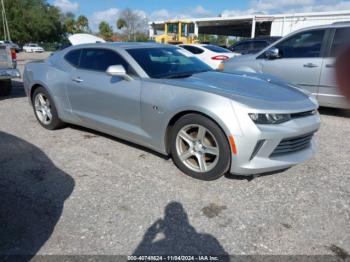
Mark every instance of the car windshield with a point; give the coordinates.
(33, 45)
(168, 62)
(216, 49)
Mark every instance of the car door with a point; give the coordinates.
(300, 59)
(328, 94)
(103, 102)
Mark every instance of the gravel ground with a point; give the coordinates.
(75, 191)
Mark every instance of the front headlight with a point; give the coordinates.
(268, 119)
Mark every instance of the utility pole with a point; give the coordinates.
(4, 22)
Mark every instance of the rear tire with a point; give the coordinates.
(45, 110)
(5, 87)
(200, 148)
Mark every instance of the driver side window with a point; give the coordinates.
(99, 59)
(302, 45)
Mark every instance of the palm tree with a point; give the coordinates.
(82, 24)
(121, 23)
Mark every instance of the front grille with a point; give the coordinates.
(294, 144)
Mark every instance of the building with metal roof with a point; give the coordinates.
(257, 24)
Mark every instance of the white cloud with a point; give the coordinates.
(289, 6)
(141, 13)
(110, 16)
(161, 14)
(66, 5)
(237, 12)
(164, 14)
(200, 11)
(281, 4)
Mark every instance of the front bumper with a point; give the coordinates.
(9, 73)
(250, 161)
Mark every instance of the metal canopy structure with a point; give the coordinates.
(258, 24)
(241, 28)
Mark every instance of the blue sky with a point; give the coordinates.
(149, 6)
(109, 10)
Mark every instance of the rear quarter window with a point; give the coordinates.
(73, 57)
(193, 49)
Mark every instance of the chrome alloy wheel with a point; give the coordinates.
(43, 109)
(197, 148)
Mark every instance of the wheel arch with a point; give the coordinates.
(180, 114)
(35, 87)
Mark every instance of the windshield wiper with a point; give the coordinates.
(184, 74)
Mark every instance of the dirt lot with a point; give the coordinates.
(75, 191)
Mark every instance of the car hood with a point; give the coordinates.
(256, 90)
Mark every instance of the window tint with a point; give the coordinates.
(305, 44)
(98, 59)
(259, 44)
(73, 57)
(216, 49)
(193, 49)
(241, 47)
(340, 40)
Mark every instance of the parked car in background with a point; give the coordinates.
(8, 69)
(161, 97)
(210, 54)
(33, 48)
(253, 46)
(306, 58)
(11, 44)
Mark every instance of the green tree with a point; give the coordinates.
(33, 21)
(141, 37)
(82, 24)
(69, 25)
(106, 30)
(121, 23)
(133, 22)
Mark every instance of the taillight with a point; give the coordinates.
(220, 57)
(13, 55)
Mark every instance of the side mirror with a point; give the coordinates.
(118, 70)
(272, 53)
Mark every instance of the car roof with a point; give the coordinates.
(197, 44)
(334, 25)
(123, 45)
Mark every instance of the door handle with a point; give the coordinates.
(310, 65)
(330, 65)
(78, 80)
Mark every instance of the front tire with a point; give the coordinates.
(5, 87)
(45, 110)
(199, 147)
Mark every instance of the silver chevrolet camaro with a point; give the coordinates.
(163, 98)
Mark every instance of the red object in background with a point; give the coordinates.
(220, 57)
(13, 55)
(343, 72)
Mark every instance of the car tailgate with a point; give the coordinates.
(5, 57)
